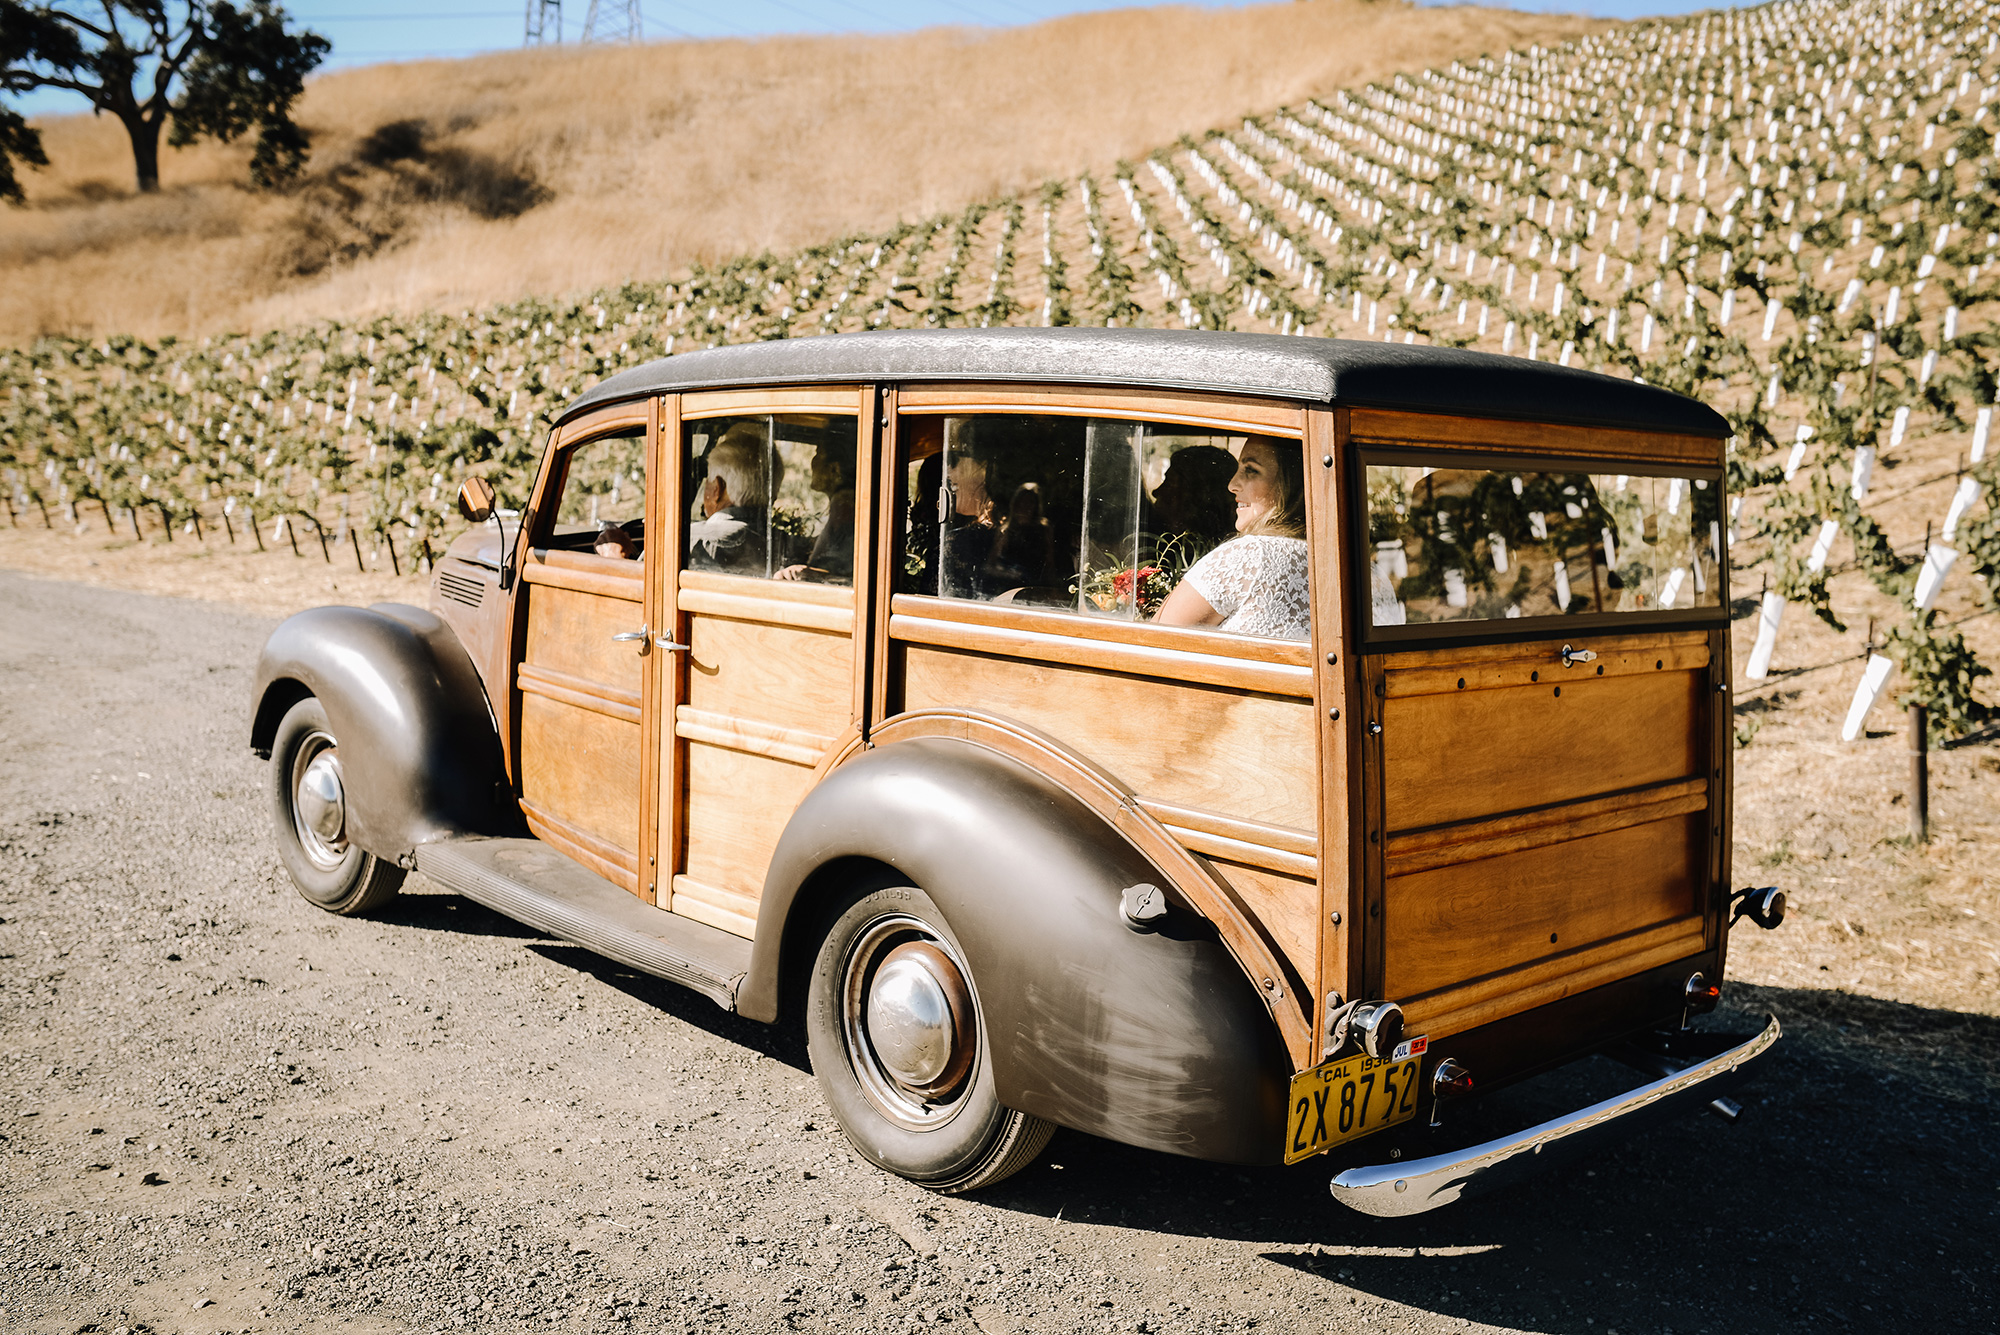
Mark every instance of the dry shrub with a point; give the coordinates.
(656, 156)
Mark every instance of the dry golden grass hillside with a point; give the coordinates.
(453, 183)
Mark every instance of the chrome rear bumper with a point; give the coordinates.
(1417, 1185)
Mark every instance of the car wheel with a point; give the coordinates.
(894, 1032)
(309, 806)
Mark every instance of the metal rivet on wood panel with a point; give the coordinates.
(1333, 713)
(1326, 461)
(1334, 917)
(1332, 659)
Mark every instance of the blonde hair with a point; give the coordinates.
(1287, 516)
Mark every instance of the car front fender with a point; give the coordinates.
(418, 743)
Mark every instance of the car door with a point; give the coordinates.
(758, 663)
(584, 653)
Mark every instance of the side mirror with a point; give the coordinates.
(476, 499)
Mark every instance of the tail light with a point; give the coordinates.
(1451, 1080)
(1698, 996)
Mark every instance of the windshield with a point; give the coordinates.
(1455, 544)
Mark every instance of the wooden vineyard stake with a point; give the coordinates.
(1920, 774)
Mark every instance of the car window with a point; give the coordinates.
(1102, 517)
(771, 496)
(603, 502)
(1452, 544)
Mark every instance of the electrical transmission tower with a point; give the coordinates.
(545, 22)
(611, 21)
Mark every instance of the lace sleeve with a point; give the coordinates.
(1224, 577)
(1258, 586)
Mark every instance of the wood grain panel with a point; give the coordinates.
(634, 412)
(1475, 654)
(1288, 906)
(737, 806)
(667, 680)
(1541, 665)
(740, 402)
(1069, 625)
(749, 735)
(1232, 752)
(570, 633)
(1375, 426)
(582, 768)
(1251, 415)
(1138, 659)
(751, 605)
(1337, 700)
(623, 580)
(620, 866)
(791, 678)
(1453, 924)
(724, 909)
(1517, 831)
(622, 705)
(1496, 997)
(1472, 753)
(655, 667)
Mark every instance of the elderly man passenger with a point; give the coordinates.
(733, 533)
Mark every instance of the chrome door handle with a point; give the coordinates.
(631, 636)
(672, 646)
(1571, 656)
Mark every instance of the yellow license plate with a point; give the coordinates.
(1347, 1098)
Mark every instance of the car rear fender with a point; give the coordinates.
(418, 744)
(1155, 1039)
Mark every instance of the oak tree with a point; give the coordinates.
(211, 69)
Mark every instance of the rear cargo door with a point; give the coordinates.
(1545, 781)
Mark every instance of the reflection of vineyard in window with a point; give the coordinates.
(1790, 212)
(1467, 544)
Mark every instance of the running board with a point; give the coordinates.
(531, 883)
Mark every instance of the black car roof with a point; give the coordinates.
(1313, 370)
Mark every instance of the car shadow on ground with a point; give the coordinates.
(431, 909)
(781, 1043)
(1868, 1116)
(434, 909)
(1871, 1120)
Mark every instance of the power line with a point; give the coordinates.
(405, 18)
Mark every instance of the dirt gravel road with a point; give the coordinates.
(223, 1110)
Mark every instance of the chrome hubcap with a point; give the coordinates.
(909, 1020)
(319, 801)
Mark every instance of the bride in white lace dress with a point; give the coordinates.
(1254, 584)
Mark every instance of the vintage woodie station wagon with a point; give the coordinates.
(1229, 745)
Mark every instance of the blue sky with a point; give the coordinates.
(364, 32)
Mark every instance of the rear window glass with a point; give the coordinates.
(1454, 544)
